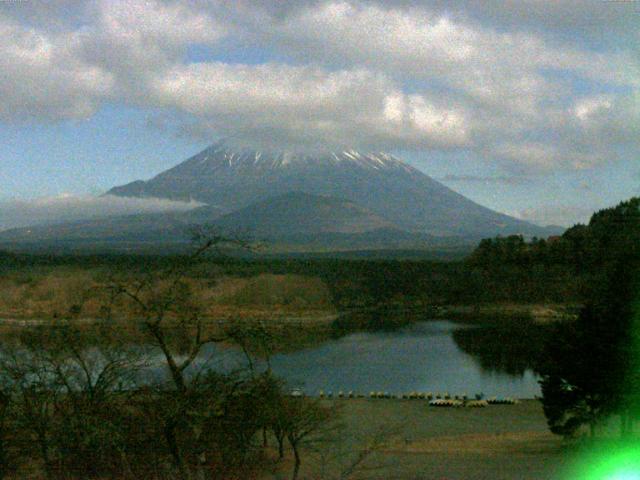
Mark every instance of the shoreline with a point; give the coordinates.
(538, 313)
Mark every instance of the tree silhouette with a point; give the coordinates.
(591, 367)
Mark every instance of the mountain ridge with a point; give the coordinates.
(233, 179)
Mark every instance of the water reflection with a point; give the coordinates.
(376, 320)
(428, 356)
(512, 347)
(391, 352)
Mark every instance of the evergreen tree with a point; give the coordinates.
(591, 367)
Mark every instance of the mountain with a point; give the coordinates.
(298, 213)
(230, 180)
(297, 202)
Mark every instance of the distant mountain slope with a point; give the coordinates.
(294, 222)
(296, 219)
(378, 182)
(298, 213)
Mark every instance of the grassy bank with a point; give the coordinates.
(417, 441)
(65, 292)
(298, 310)
(49, 292)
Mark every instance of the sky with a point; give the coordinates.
(531, 108)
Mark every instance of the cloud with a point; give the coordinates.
(575, 20)
(482, 60)
(545, 156)
(57, 71)
(533, 85)
(158, 22)
(608, 118)
(66, 208)
(44, 78)
(306, 105)
(511, 83)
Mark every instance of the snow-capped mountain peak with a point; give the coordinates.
(220, 155)
(232, 178)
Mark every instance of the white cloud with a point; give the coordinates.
(417, 42)
(153, 21)
(579, 21)
(65, 208)
(500, 81)
(516, 85)
(59, 73)
(544, 156)
(43, 76)
(586, 109)
(307, 104)
(605, 119)
(504, 179)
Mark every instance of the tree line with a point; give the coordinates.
(591, 366)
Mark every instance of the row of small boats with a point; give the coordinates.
(435, 400)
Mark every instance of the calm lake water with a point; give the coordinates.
(427, 356)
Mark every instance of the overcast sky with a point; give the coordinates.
(529, 107)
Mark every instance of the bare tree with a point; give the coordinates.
(375, 444)
(7, 414)
(67, 400)
(256, 342)
(172, 320)
(302, 421)
(164, 303)
(37, 392)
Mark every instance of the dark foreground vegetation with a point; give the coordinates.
(509, 269)
(559, 269)
(81, 405)
(591, 366)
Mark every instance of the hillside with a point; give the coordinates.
(299, 213)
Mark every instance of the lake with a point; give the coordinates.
(428, 356)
